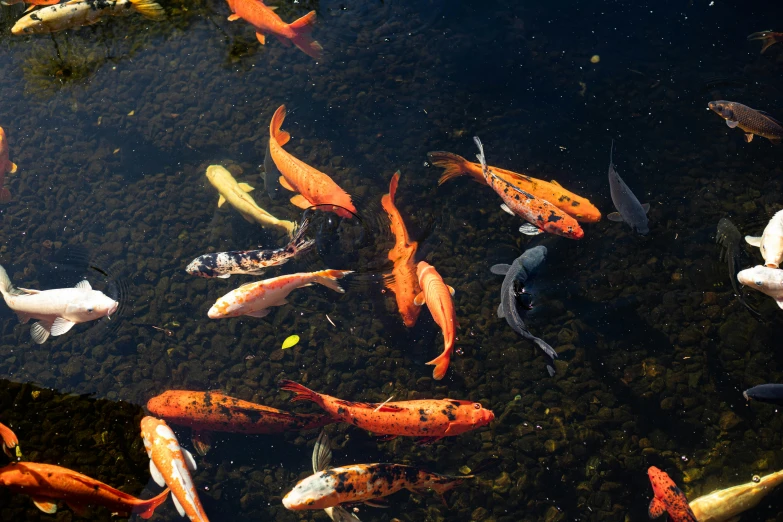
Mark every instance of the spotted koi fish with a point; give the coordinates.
(364, 482)
(169, 465)
(438, 297)
(205, 412)
(428, 419)
(572, 204)
(9, 439)
(47, 484)
(78, 13)
(541, 215)
(403, 280)
(249, 262)
(668, 498)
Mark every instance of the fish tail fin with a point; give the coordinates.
(393, 185)
(302, 38)
(329, 278)
(301, 393)
(5, 195)
(298, 242)
(441, 363)
(281, 137)
(453, 165)
(148, 9)
(150, 505)
(446, 483)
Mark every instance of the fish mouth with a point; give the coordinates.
(112, 309)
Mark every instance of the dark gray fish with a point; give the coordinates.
(628, 207)
(765, 393)
(516, 274)
(271, 175)
(250, 262)
(730, 238)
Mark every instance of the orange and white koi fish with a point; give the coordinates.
(363, 482)
(429, 419)
(668, 498)
(314, 187)
(205, 412)
(265, 20)
(9, 440)
(403, 281)
(6, 167)
(768, 38)
(727, 504)
(540, 214)
(572, 204)
(257, 299)
(169, 465)
(47, 484)
(437, 295)
(78, 13)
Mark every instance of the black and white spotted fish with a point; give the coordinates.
(78, 13)
(250, 262)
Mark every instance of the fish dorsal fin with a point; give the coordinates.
(500, 269)
(177, 505)
(656, 509)
(753, 241)
(40, 331)
(419, 299)
(451, 290)
(190, 462)
(234, 17)
(646, 207)
(768, 115)
(47, 505)
(84, 285)
(61, 326)
(221, 201)
(555, 183)
(245, 187)
(157, 476)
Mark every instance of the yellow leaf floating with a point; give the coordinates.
(464, 470)
(18, 452)
(291, 341)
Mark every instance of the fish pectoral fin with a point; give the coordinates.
(179, 507)
(500, 269)
(451, 290)
(419, 299)
(753, 240)
(530, 229)
(40, 331)
(646, 207)
(505, 209)
(202, 441)
(285, 184)
(224, 276)
(47, 505)
(221, 201)
(13, 168)
(28, 290)
(656, 509)
(84, 285)
(774, 141)
(190, 462)
(234, 17)
(261, 38)
(731, 123)
(23, 317)
(384, 438)
(245, 187)
(380, 503)
(157, 476)
(301, 202)
(33, 6)
(614, 216)
(60, 326)
(501, 313)
(259, 313)
(779, 302)
(77, 507)
(555, 183)
(424, 441)
(748, 137)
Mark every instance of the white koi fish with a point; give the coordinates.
(58, 309)
(727, 504)
(169, 465)
(78, 13)
(771, 241)
(764, 279)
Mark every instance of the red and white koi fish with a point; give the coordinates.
(169, 465)
(668, 498)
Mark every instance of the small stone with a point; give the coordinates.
(729, 420)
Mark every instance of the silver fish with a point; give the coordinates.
(516, 274)
(628, 207)
(729, 238)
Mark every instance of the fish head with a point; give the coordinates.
(772, 249)
(160, 404)
(148, 429)
(660, 481)
(217, 175)
(480, 416)
(90, 305)
(225, 307)
(28, 25)
(762, 278)
(723, 108)
(642, 228)
(315, 492)
(422, 268)
(198, 268)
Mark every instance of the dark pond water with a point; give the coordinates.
(113, 126)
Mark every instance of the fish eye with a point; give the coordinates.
(759, 283)
(477, 405)
(89, 310)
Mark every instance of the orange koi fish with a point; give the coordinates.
(257, 299)
(9, 440)
(169, 465)
(314, 187)
(668, 498)
(768, 39)
(403, 281)
(363, 482)
(32, 4)
(541, 215)
(428, 419)
(437, 295)
(6, 167)
(47, 484)
(205, 412)
(572, 204)
(265, 20)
